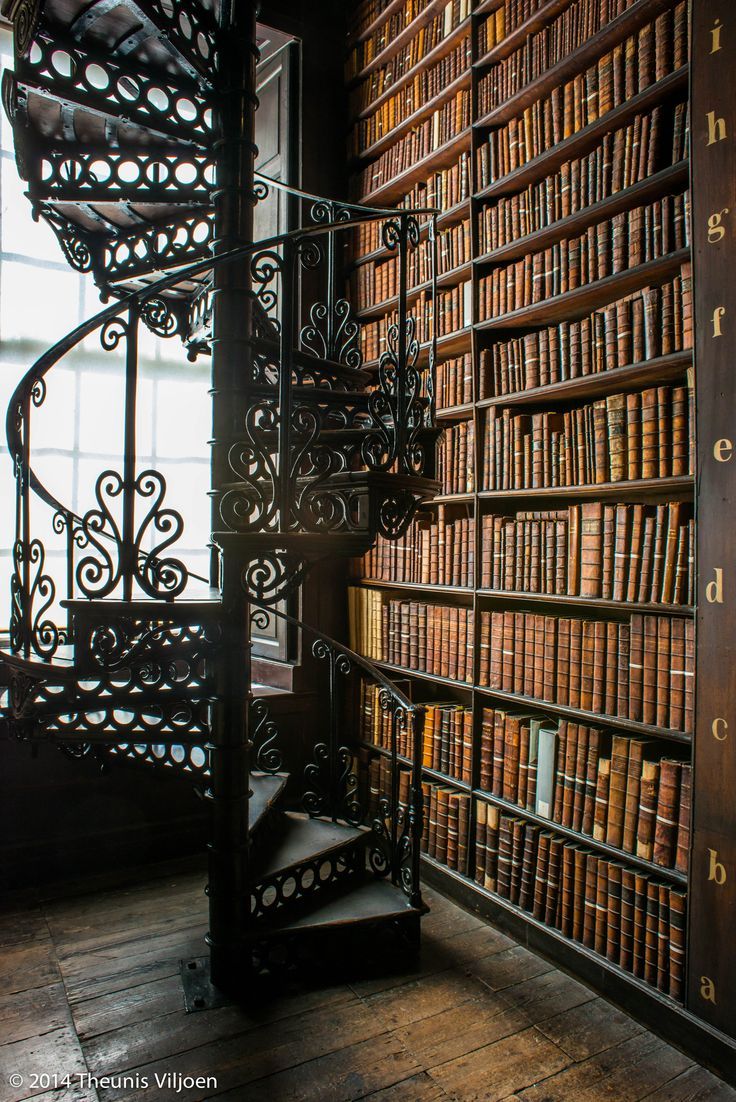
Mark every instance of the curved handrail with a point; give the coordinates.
(366, 664)
(290, 189)
(135, 299)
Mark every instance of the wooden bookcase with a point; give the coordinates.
(703, 1018)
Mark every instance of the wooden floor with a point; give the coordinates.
(90, 988)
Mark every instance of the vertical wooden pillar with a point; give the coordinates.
(711, 960)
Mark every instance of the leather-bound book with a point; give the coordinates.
(587, 657)
(648, 789)
(507, 678)
(499, 737)
(598, 695)
(651, 933)
(527, 867)
(664, 664)
(680, 432)
(623, 687)
(633, 436)
(602, 794)
(663, 939)
(553, 903)
(647, 555)
(523, 785)
(667, 589)
(611, 662)
(637, 751)
(539, 637)
(682, 849)
(649, 434)
(636, 667)
(540, 879)
(443, 816)
(609, 527)
(496, 657)
(628, 882)
(617, 791)
(617, 429)
(591, 776)
(549, 680)
(677, 944)
(640, 924)
(658, 554)
(568, 775)
(518, 835)
(613, 925)
(589, 905)
(600, 442)
(635, 552)
(562, 666)
(492, 848)
(665, 830)
(591, 548)
(463, 806)
(433, 822)
(578, 914)
(580, 771)
(567, 890)
(601, 908)
(481, 813)
(688, 724)
(573, 576)
(622, 558)
(453, 829)
(511, 755)
(505, 845)
(649, 670)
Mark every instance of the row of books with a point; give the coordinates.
(641, 670)
(628, 917)
(453, 383)
(625, 436)
(633, 553)
(434, 639)
(455, 459)
(623, 157)
(451, 313)
(570, 107)
(427, 83)
(622, 437)
(503, 21)
(445, 123)
(448, 733)
(375, 281)
(432, 552)
(428, 36)
(620, 243)
(577, 23)
(444, 189)
(620, 791)
(655, 321)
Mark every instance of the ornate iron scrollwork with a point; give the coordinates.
(268, 756)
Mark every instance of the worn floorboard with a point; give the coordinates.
(90, 989)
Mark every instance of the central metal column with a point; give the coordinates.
(231, 356)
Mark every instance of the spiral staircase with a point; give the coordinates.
(133, 125)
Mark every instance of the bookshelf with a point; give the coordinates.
(565, 391)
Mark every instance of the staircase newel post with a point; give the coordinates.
(228, 891)
(401, 347)
(128, 549)
(23, 529)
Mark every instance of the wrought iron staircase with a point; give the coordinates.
(133, 125)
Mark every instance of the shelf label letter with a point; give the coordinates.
(716, 229)
(714, 589)
(715, 35)
(717, 315)
(716, 128)
(707, 989)
(723, 450)
(717, 726)
(716, 870)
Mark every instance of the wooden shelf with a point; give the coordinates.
(641, 12)
(446, 346)
(442, 49)
(516, 38)
(601, 604)
(643, 488)
(451, 499)
(577, 835)
(672, 178)
(401, 128)
(487, 6)
(455, 413)
(388, 11)
(417, 587)
(661, 369)
(447, 279)
(594, 719)
(582, 300)
(400, 671)
(545, 163)
(439, 158)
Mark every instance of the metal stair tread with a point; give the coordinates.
(373, 901)
(266, 789)
(305, 839)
